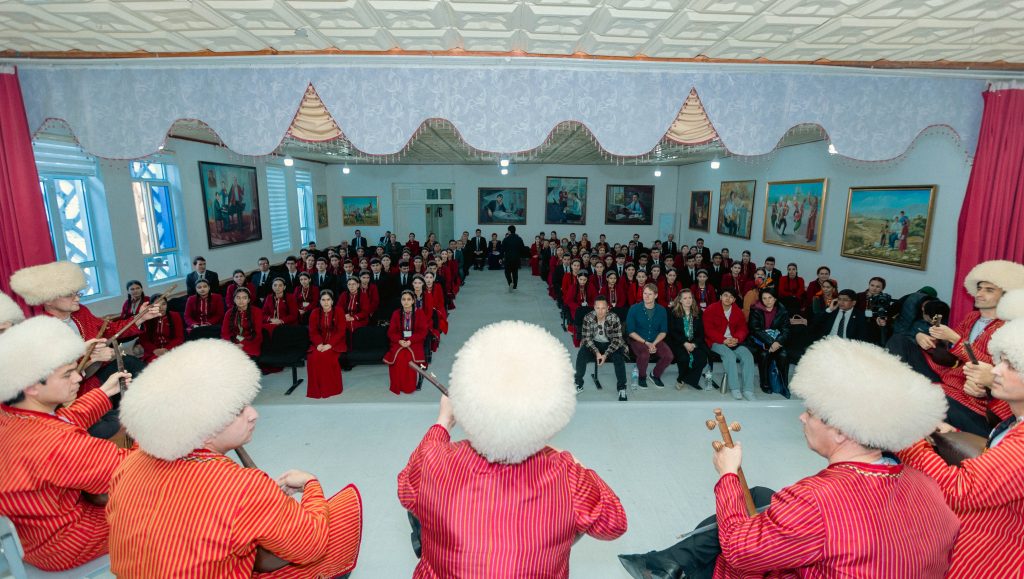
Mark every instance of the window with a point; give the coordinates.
(64, 172)
(158, 237)
(304, 189)
(280, 226)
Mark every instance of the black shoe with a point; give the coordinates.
(622, 394)
(657, 382)
(766, 389)
(596, 381)
(579, 388)
(641, 382)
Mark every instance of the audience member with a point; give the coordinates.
(242, 326)
(768, 339)
(200, 272)
(602, 340)
(725, 331)
(135, 301)
(407, 333)
(647, 328)
(161, 334)
(262, 278)
(204, 312)
(686, 339)
(839, 317)
(326, 343)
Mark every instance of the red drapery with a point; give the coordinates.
(992, 217)
(24, 232)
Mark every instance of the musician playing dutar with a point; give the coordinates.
(47, 459)
(180, 508)
(987, 492)
(503, 504)
(865, 515)
(966, 384)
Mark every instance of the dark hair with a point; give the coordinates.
(765, 290)
(793, 264)
(728, 290)
(600, 298)
(823, 267)
(715, 254)
(931, 307)
(849, 293)
(511, 228)
(304, 273)
(700, 239)
(236, 318)
(199, 281)
(237, 271)
(132, 282)
(769, 258)
(290, 258)
(197, 259)
(263, 258)
(881, 280)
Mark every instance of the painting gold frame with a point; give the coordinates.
(878, 253)
(770, 234)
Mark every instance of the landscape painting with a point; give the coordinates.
(890, 225)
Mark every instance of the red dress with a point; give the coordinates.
(852, 519)
(371, 296)
(669, 292)
(129, 310)
(166, 332)
(310, 296)
(323, 372)
(502, 521)
(204, 312)
(246, 331)
(354, 305)
(406, 327)
(791, 287)
(596, 286)
(229, 294)
(616, 296)
(704, 297)
(284, 308)
(534, 259)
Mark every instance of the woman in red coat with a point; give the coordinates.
(369, 291)
(135, 300)
(671, 289)
(327, 341)
(579, 305)
(354, 308)
(407, 332)
(238, 281)
(616, 294)
(243, 325)
(161, 335)
(204, 312)
(734, 279)
(279, 308)
(305, 297)
(535, 256)
(635, 290)
(434, 304)
(791, 285)
(703, 291)
(597, 285)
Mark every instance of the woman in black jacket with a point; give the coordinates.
(769, 335)
(686, 340)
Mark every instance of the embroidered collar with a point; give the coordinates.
(869, 469)
(205, 455)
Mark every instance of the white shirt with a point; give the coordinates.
(835, 325)
(728, 314)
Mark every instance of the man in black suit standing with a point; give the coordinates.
(706, 262)
(478, 247)
(512, 248)
(670, 247)
(358, 241)
(639, 244)
(200, 272)
(842, 319)
(261, 278)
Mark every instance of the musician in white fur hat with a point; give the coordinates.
(10, 313)
(182, 508)
(966, 384)
(987, 492)
(504, 504)
(46, 456)
(865, 515)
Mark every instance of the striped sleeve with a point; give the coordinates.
(409, 478)
(88, 409)
(986, 481)
(790, 534)
(296, 532)
(84, 463)
(596, 508)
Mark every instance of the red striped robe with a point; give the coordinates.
(47, 461)
(502, 521)
(953, 379)
(89, 328)
(202, 516)
(987, 493)
(850, 520)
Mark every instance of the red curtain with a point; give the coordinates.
(24, 232)
(992, 217)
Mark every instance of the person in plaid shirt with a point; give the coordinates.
(602, 341)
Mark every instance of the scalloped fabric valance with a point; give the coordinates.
(125, 110)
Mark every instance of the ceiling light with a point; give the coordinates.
(346, 170)
(657, 172)
(504, 171)
(503, 162)
(832, 149)
(288, 161)
(715, 164)
(160, 148)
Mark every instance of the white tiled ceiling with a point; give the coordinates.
(976, 31)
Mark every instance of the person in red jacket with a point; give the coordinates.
(204, 312)
(670, 287)
(306, 297)
(792, 285)
(407, 333)
(326, 343)
(725, 331)
(243, 324)
(163, 334)
(279, 307)
(703, 291)
(355, 309)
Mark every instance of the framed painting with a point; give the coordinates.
(231, 204)
(736, 208)
(890, 225)
(322, 219)
(502, 205)
(629, 205)
(794, 211)
(700, 210)
(566, 200)
(359, 211)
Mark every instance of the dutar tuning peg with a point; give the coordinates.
(711, 424)
(735, 427)
(717, 445)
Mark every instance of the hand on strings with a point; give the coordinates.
(974, 389)
(980, 373)
(152, 311)
(445, 415)
(102, 353)
(293, 481)
(727, 460)
(944, 332)
(112, 386)
(925, 341)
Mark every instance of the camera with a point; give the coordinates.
(879, 305)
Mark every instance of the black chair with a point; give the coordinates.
(286, 348)
(177, 304)
(368, 345)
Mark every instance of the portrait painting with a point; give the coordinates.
(629, 205)
(359, 211)
(502, 205)
(700, 210)
(322, 220)
(231, 203)
(889, 225)
(736, 208)
(566, 200)
(794, 211)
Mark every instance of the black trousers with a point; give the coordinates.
(966, 419)
(586, 356)
(478, 260)
(110, 423)
(905, 348)
(689, 373)
(764, 360)
(512, 272)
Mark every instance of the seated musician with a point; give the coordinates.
(987, 492)
(966, 383)
(503, 504)
(47, 458)
(180, 508)
(10, 313)
(204, 312)
(160, 335)
(865, 515)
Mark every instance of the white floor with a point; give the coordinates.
(653, 450)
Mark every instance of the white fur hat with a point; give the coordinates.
(1011, 305)
(188, 395)
(868, 394)
(1006, 275)
(512, 390)
(41, 283)
(1008, 342)
(33, 349)
(9, 310)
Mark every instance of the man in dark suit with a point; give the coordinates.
(512, 249)
(478, 249)
(620, 265)
(688, 275)
(322, 279)
(842, 319)
(639, 244)
(200, 272)
(773, 273)
(290, 274)
(358, 241)
(403, 279)
(670, 247)
(261, 278)
(706, 262)
(716, 271)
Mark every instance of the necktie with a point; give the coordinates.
(842, 326)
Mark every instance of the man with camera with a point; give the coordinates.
(875, 304)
